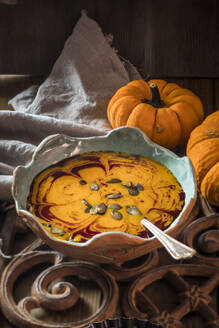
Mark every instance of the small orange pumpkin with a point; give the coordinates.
(165, 112)
(203, 150)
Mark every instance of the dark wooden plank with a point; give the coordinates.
(163, 38)
(216, 94)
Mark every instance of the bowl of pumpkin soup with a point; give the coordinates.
(86, 197)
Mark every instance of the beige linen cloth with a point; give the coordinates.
(72, 100)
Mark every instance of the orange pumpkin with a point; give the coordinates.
(203, 150)
(166, 112)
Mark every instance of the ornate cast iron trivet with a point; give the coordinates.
(203, 235)
(132, 269)
(124, 323)
(54, 295)
(190, 297)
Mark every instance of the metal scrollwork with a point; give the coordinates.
(50, 290)
(136, 303)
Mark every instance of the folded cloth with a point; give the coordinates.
(21, 133)
(82, 81)
(72, 100)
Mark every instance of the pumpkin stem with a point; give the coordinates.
(155, 101)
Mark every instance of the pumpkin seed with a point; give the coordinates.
(101, 208)
(93, 210)
(133, 191)
(133, 210)
(114, 181)
(116, 215)
(94, 186)
(48, 225)
(98, 209)
(128, 185)
(86, 203)
(114, 206)
(82, 182)
(139, 186)
(125, 185)
(114, 195)
(57, 231)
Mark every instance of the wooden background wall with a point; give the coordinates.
(173, 39)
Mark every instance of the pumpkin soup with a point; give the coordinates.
(104, 191)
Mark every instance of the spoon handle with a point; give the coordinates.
(175, 248)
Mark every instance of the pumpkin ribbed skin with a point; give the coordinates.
(167, 121)
(203, 150)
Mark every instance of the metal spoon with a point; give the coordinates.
(175, 248)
